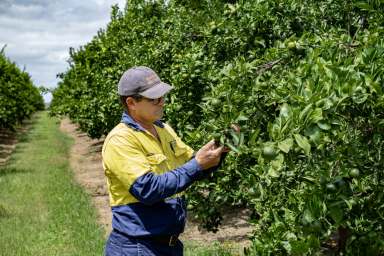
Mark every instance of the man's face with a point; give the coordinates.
(149, 110)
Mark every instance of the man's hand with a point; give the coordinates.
(209, 155)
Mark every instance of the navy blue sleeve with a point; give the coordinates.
(151, 188)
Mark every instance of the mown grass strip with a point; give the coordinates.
(42, 210)
(212, 249)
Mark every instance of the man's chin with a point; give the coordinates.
(159, 116)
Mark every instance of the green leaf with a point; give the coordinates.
(241, 118)
(273, 173)
(285, 110)
(308, 179)
(305, 111)
(336, 214)
(276, 166)
(307, 217)
(235, 138)
(303, 143)
(360, 98)
(313, 132)
(233, 148)
(278, 163)
(285, 145)
(241, 141)
(324, 125)
(299, 247)
(254, 136)
(364, 6)
(316, 115)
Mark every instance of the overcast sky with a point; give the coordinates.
(38, 33)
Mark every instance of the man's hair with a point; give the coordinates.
(123, 100)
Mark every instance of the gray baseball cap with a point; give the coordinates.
(143, 81)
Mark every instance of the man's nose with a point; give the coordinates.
(162, 101)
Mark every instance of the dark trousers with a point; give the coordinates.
(121, 245)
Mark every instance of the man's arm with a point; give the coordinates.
(130, 166)
(151, 188)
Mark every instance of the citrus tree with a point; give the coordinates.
(19, 98)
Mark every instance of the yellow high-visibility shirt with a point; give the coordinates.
(129, 153)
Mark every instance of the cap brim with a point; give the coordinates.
(157, 91)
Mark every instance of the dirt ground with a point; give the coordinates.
(85, 160)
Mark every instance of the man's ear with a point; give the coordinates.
(131, 103)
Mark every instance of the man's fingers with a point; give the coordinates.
(218, 150)
(226, 149)
(211, 149)
(209, 145)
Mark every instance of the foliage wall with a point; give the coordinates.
(19, 98)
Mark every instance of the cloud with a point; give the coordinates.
(39, 33)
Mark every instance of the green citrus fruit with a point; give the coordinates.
(339, 182)
(269, 152)
(331, 187)
(354, 173)
(216, 102)
(291, 45)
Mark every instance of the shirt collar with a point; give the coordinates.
(128, 120)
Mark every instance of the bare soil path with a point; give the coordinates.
(85, 160)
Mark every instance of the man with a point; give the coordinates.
(147, 166)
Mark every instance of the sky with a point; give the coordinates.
(39, 33)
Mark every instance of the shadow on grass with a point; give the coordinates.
(25, 136)
(9, 171)
(3, 212)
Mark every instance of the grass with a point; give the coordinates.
(42, 211)
(214, 249)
